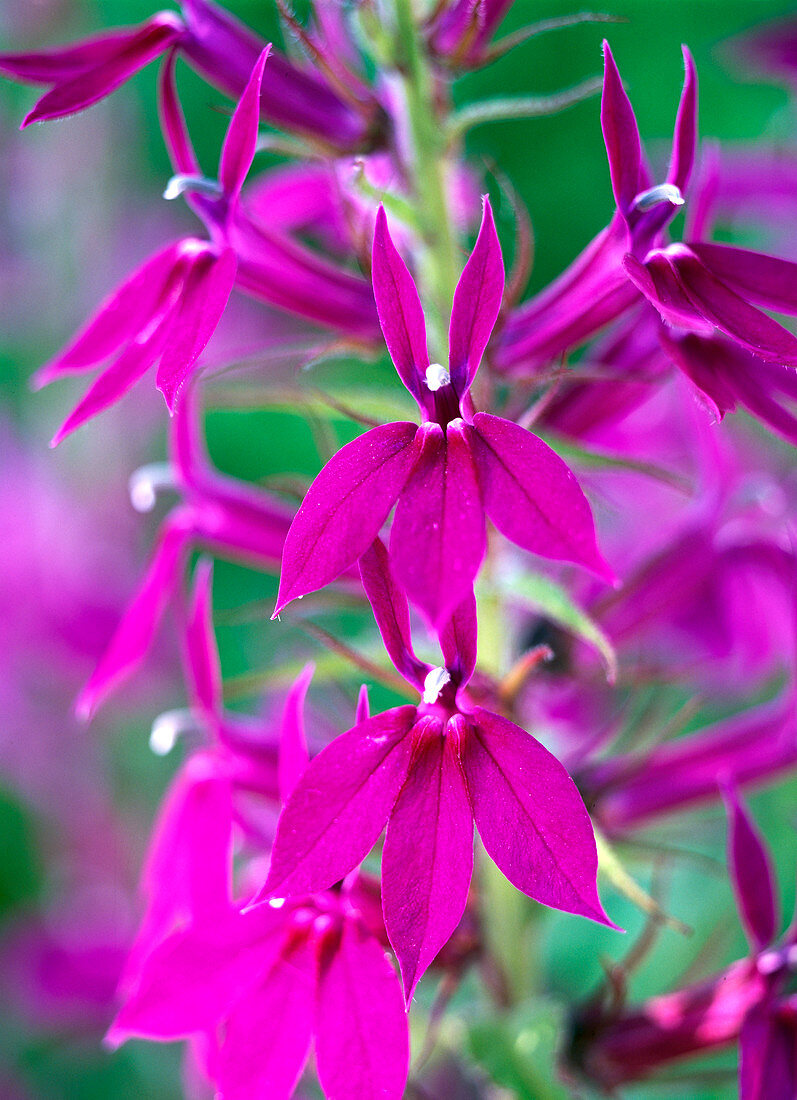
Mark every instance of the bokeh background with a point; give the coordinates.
(80, 206)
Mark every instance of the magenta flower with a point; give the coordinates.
(166, 311)
(461, 29)
(447, 473)
(694, 286)
(430, 770)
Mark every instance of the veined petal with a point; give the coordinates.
(267, 1035)
(135, 632)
(427, 860)
(340, 805)
(620, 134)
(766, 280)
(477, 301)
(207, 287)
(438, 540)
(656, 279)
(530, 816)
(362, 1045)
(240, 143)
(685, 134)
(391, 611)
(531, 495)
(293, 755)
(751, 874)
(204, 670)
(345, 507)
(400, 312)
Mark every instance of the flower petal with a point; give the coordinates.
(345, 507)
(427, 860)
(685, 134)
(458, 640)
(766, 280)
(477, 300)
(400, 311)
(530, 816)
(362, 1045)
(239, 146)
(620, 134)
(751, 874)
(391, 611)
(293, 755)
(204, 670)
(531, 496)
(437, 541)
(340, 805)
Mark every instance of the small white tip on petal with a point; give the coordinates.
(166, 730)
(436, 680)
(437, 376)
(146, 482)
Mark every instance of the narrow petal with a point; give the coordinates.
(191, 980)
(661, 286)
(240, 143)
(427, 861)
(767, 1057)
(477, 301)
(340, 805)
(294, 757)
(766, 280)
(438, 540)
(111, 68)
(345, 507)
(621, 135)
(400, 312)
(62, 63)
(207, 288)
(362, 1042)
(363, 712)
(204, 669)
(135, 632)
(530, 816)
(685, 134)
(391, 611)
(531, 496)
(751, 874)
(267, 1036)
(172, 120)
(458, 640)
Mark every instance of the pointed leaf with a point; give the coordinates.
(392, 613)
(438, 540)
(530, 816)
(427, 861)
(340, 805)
(685, 134)
(400, 312)
(240, 143)
(621, 135)
(345, 507)
(294, 757)
(477, 301)
(267, 1036)
(751, 874)
(531, 496)
(362, 1045)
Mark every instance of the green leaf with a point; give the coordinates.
(519, 1050)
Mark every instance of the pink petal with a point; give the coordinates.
(477, 301)
(172, 120)
(340, 805)
(530, 816)
(660, 285)
(240, 142)
(531, 496)
(400, 311)
(621, 135)
(111, 68)
(767, 1057)
(685, 135)
(135, 632)
(427, 860)
(458, 640)
(363, 712)
(267, 1036)
(362, 1045)
(207, 287)
(204, 680)
(437, 541)
(766, 280)
(191, 980)
(751, 874)
(345, 507)
(392, 613)
(293, 755)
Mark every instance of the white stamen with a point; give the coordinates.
(276, 903)
(180, 183)
(437, 376)
(436, 680)
(167, 728)
(662, 192)
(145, 483)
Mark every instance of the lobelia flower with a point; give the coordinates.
(697, 287)
(461, 29)
(228, 517)
(430, 770)
(748, 1001)
(447, 473)
(345, 116)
